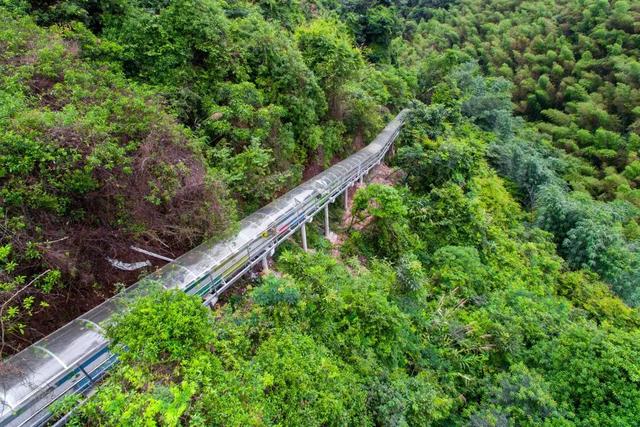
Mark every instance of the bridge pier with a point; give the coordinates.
(211, 300)
(303, 233)
(346, 199)
(362, 179)
(265, 264)
(327, 231)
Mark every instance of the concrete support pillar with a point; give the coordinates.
(265, 264)
(303, 232)
(327, 231)
(211, 300)
(346, 199)
(362, 179)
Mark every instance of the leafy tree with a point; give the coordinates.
(590, 235)
(446, 216)
(382, 206)
(380, 27)
(294, 372)
(486, 100)
(410, 273)
(186, 328)
(589, 367)
(519, 396)
(435, 163)
(459, 269)
(329, 53)
(530, 168)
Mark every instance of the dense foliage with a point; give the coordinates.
(575, 73)
(474, 321)
(152, 125)
(89, 163)
(495, 284)
(589, 233)
(570, 69)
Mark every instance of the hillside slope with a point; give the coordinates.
(156, 127)
(90, 164)
(495, 283)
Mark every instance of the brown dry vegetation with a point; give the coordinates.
(85, 183)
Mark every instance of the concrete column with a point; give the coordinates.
(346, 199)
(327, 231)
(303, 232)
(362, 179)
(265, 264)
(211, 300)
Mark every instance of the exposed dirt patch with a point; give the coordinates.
(165, 198)
(314, 167)
(42, 86)
(73, 301)
(383, 174)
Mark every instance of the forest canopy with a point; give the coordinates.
(151, 125)
(492, 278)
(441, 308)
